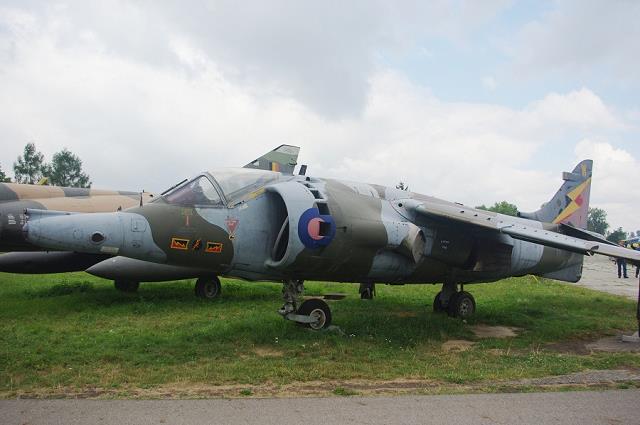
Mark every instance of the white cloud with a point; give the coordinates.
(141, 123)
(615, 188)
(577, 35)
(319, 53)
(580, 109)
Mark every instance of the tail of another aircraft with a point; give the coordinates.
(283, 159)
(570, 204)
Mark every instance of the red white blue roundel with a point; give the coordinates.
(316, 230)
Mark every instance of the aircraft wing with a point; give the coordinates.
(517, 229)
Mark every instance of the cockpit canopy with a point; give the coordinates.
(199, 191)
(234, 184)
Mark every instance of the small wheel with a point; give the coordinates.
(208, 288)
(366, 294)
(317, 309)
(438, 307)
(462, 305)
(126, 285)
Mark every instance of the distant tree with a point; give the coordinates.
(597, 221)
(66, 170)
(3, 177)
(503, 207)
(402, 186)
(617, 235)
(29, 167)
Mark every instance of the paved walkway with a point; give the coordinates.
(600, 273)
(583, 408)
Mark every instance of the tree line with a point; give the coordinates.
(65, 169)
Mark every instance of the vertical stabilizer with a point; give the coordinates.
(570, 204)
(283, 159)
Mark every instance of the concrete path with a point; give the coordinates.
(584, 408)
(600, 273)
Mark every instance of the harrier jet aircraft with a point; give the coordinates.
(257, 224)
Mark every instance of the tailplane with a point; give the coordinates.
(570, 204)
(283, 159)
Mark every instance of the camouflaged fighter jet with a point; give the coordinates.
(267, 225)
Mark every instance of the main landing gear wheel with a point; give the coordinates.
(438, 307)
(461, 305)
(208, 288)
(318, 310)
(126, 285)
(313, 313)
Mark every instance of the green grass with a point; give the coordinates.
(74, 332)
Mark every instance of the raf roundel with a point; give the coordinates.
(316, 230)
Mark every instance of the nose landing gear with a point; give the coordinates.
(208, 288)
(367, 290)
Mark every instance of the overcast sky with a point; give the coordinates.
(470, 101)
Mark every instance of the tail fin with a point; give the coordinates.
(570, 204)
(283, 159)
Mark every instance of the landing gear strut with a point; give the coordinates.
(126, 285)
(456, 303)
(367, 290)
(313, 313)
(208, 288)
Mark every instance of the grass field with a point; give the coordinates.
(73, 332)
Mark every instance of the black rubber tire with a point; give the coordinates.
(462, 305)
(437, 303)
(366, 294)
(320, 309)
(126, 285)
(208, 288)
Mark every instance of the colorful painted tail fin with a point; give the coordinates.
(570, 204)
(283, 159)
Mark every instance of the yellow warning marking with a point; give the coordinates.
(214, 247)
(179, 243)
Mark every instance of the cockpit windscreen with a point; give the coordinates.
(199, 191)
(238, 182)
